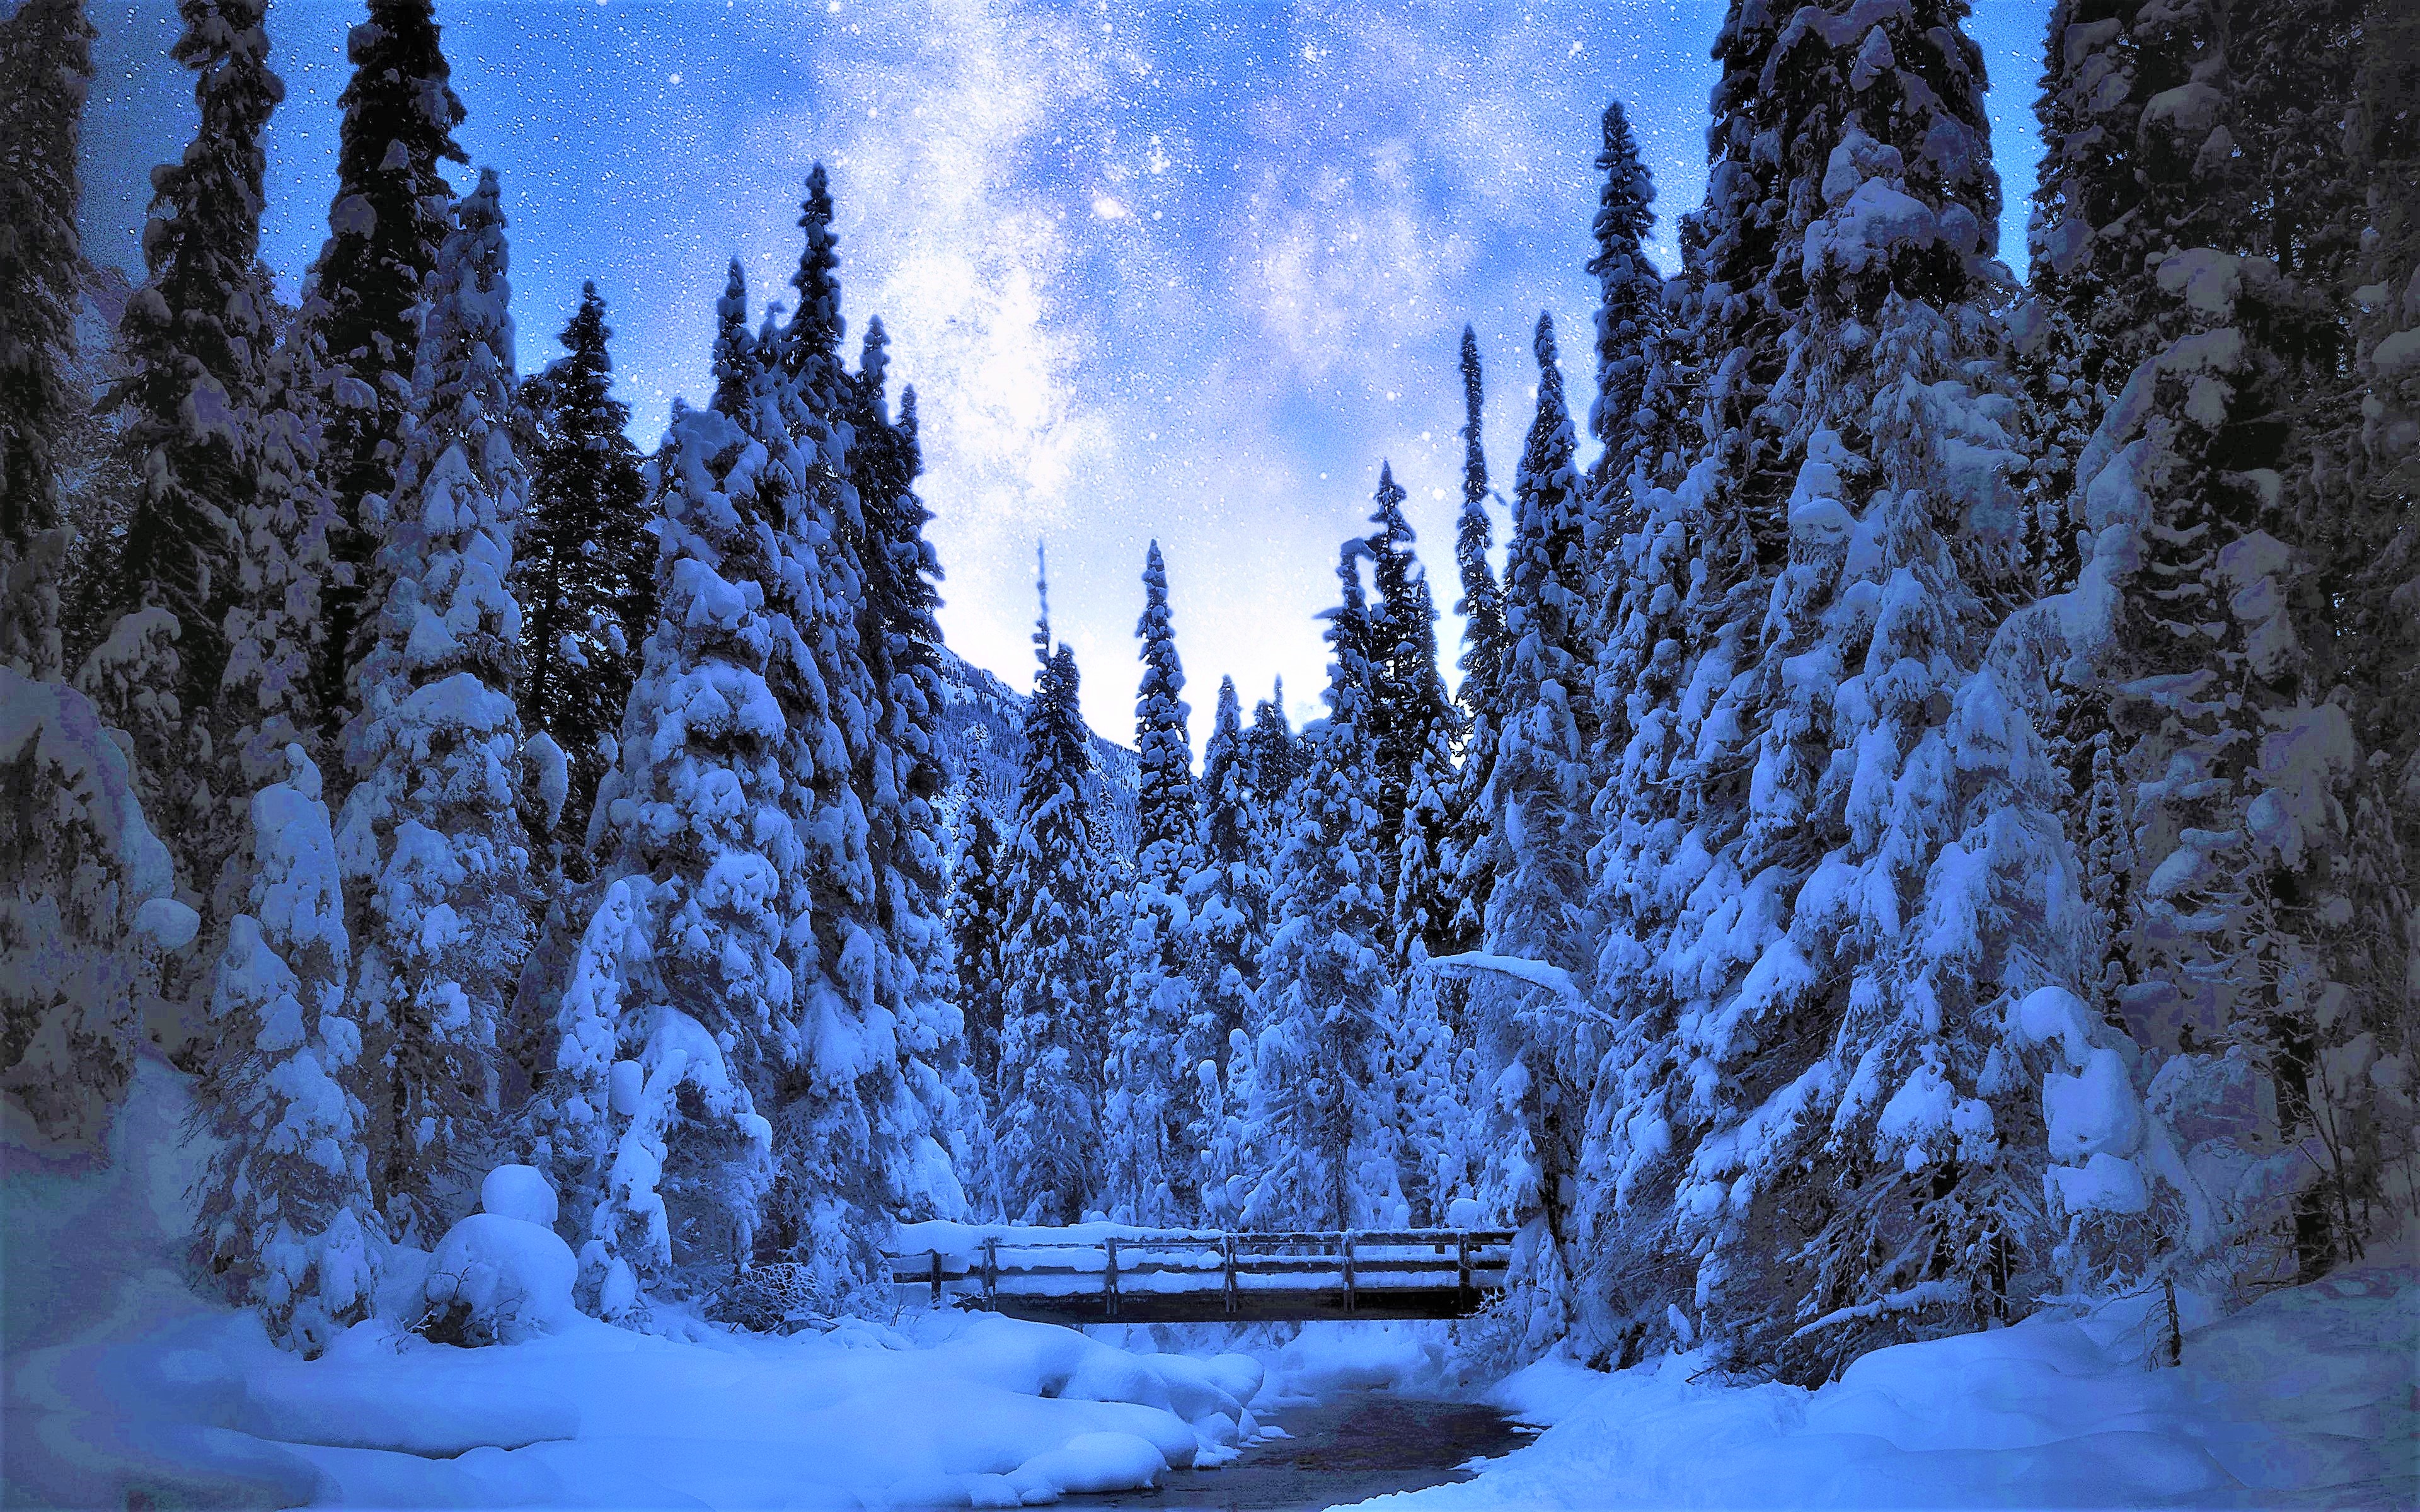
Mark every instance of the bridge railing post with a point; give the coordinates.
(937, 1277)
(1462, 1269)
(1229, 1245)
(991, 1274)
(1110, 1280)
(1344, 1241)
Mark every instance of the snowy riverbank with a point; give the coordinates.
(2308, 1398)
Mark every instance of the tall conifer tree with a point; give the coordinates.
(1320, 1116)
(1470, 856)
(45, 68)
(1629, 310)
(1054, 1040)
(1149, 1117)
(363, 294)
(436, 861)
(582, 566)
(1411, 725)
(196, 339)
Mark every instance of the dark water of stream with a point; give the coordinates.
(1345, 1450)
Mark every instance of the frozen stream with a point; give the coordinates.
(1343, 1450)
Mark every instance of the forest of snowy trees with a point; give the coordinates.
(1922, 824)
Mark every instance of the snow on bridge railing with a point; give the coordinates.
(1190, 1275)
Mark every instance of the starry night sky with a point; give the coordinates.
(1183, 271)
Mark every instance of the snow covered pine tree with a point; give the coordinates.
(436, 861)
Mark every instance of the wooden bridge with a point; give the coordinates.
(1203, 1277)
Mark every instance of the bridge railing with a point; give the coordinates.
(1215, 1272)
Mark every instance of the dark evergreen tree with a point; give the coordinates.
(904, 774)
(1166, 801)
(436, 862)
(1629, 311)
(1537, 803)
(1410, 718)
(1149, 1119)
(1320, 1113)
(45, 66)
(979, 933)
(2384, 552)
(1469, 858)
(811, 340)
(739, 363)
(363, 294)
(583, 570)
(195, 339)
(1274, 756)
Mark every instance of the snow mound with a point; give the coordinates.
(364, 1407)
(1325, 1358)
(518, 1191)
(1090, 1463)
(500, 1280)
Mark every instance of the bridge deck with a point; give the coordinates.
(1140, 1275)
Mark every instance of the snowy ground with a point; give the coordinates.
(2309, 1397)
(120, 1379)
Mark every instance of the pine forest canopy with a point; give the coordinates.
(1898, 817)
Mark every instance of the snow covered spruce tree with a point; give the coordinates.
(582, 567)
(1412, 729)
(2387, 366)
(1274, 757)
(1630, 335)
(979, 932)
(679, 999)
(1319, 1115)
(280, 566)
(1148, 1119)
(2113, 198)
(363, 294)
(286, 1220)
(1227, 901)
(1469, 858)
(1054, 1038)
(1871, 885)
(436, 861)
(908, 773)
(195, 339)
(855, 1112)
(1535, 1053)
(1628, 315)
(2268, 879)
(45, 68)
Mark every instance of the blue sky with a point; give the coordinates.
(1187, 271)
